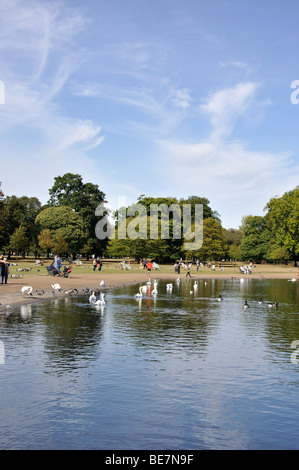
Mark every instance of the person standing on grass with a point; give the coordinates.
(5, 271)
(2, 268)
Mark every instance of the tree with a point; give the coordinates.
(233, 238)
(254, 245)
(19, 241)
(214, 244)
(2, 218)
(168, 243)
(60, 244)
(283, 221)
(138, 247)
(65, 220)
(69, 190)
(20, 210)
(45, 240)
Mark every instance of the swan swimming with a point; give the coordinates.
(92, 298)
(27, 290)
(101, 301)
(155, 289)
(139, 294)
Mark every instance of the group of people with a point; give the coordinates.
(145, 264)
(179, 264)
(97, 263)
(56, 265)
(4, 269)
(246, 269)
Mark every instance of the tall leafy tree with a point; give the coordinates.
(63, 220)
(256, 239)
(19, 241)
(168, 245)
(20, 210)
(70, 190)
(283, 221)
(2, 218)
(214, 245)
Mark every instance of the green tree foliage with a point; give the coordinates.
(138, 247)
(169, 243)
(45, 240)
(283, 221)
(214, 245)
(2, 218)
(20, 210)
(66, 221)
(254, 245)
(69, 190)
(19, 241)
(233, 238)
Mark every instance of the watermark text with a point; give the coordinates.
(158, 221)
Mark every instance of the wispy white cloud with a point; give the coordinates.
(226, 105)
(38, 55)
(227, 171)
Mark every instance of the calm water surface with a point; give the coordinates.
(179, 371)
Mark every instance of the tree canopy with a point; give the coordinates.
(153, 227)
(63, 220)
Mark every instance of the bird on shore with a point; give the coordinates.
(56, 286)
(103, 283)
(27, 290)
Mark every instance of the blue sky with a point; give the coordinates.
(160, 97)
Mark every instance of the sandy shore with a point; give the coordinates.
(10, 293)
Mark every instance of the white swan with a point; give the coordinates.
(56, 286)
(139, 294)
(195, 285)
(292, 280)
(92, 298)
(27, 290)
(101, 301)
(169, 286)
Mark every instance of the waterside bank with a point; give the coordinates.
(11, 295)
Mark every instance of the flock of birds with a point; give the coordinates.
(143, 291)
(28, 290)
(146, 289)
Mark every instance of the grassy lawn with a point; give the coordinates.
(112, 267)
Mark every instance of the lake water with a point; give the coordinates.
(179, 371)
